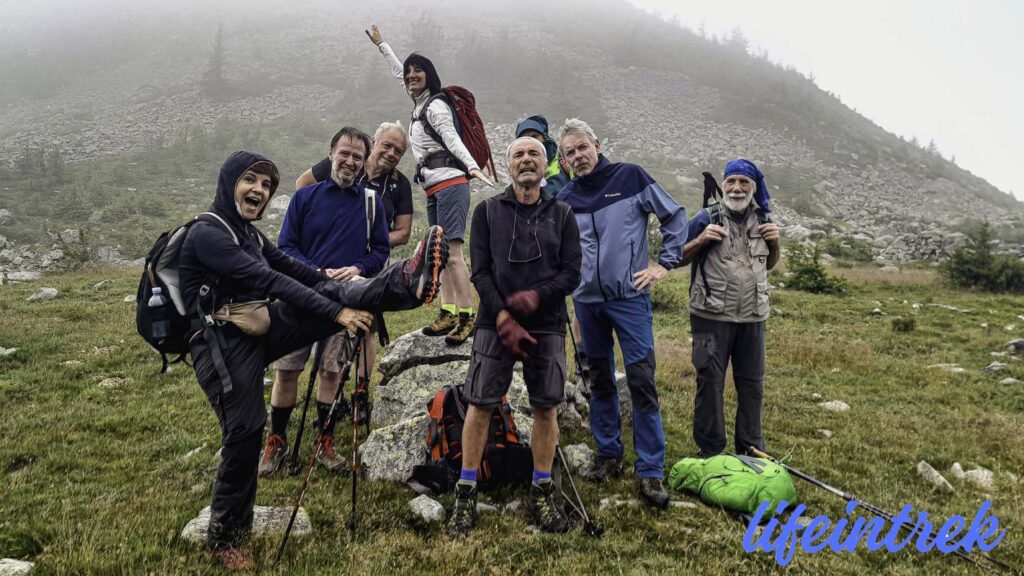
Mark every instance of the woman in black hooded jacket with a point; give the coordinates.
(240, 264)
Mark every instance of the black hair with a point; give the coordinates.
(423, 63)
(352, 134)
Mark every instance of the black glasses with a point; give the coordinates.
(523, 247)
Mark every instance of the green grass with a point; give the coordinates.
(94, 479)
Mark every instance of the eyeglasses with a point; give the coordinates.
(519, 258)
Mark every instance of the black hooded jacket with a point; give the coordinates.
(255, 268)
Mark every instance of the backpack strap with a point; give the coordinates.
(214, 338)
(449, 160)
(227, 227)
(370, 206)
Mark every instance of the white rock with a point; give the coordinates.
(951, 368)
(815, 396)
(280, 202)
(615, 501)
(485, 507)
(877, 312)
(992, 368)
(682, 504)
(7, 351)
(113, 382)
(70, 236)
(129, 298)
(932, 476)
(194, 451)
(824, 432)
(99, 285)
(957, 471)
(43, 294)
(72, 363)
(267, 521)
(1005, 381)
(835, 406)
(427, 508)
(12, 567)
(390, 452)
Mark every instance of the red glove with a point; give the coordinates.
(512, 333)
(523, 302)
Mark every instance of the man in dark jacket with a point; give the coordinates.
(525, 251)
(241, 265)
(612, 203)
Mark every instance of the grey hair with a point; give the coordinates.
(508, 152)
(576, 126)
(385, 126)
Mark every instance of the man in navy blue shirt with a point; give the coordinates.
(328, 227)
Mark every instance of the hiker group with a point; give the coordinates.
(572, 223)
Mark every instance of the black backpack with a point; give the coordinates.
(164, 327)
(506, 458)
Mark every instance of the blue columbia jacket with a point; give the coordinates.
(611, 205)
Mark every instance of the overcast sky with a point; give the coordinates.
(944, 70)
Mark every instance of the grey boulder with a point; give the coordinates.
(267, 521)
(390, 453)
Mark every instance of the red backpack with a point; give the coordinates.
(467, 123)
(506, 458)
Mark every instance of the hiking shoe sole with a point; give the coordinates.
(435, 258)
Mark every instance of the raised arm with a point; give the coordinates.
(385, 49)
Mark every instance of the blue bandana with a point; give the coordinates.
(748, 169)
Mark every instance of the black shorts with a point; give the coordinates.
(490, 370)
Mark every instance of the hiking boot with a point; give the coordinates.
(463, 329)
(653, 492)
(543, 506)
(274, 454)
(463, 515)
(423, 270)
(233, 559)
(444, 324)
(328, 457)
(605, 468)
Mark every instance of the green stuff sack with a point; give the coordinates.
(739, 483)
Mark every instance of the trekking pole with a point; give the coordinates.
(312, 461)
(589, 526)
(359, 350)
(293, 465)
(870, 507)
(583, 367)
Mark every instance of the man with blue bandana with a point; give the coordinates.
(734, 245)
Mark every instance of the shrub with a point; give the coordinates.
(809, 275)
(973, 265)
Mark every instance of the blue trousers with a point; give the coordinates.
(632, 322)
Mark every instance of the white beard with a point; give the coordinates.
(740, 204)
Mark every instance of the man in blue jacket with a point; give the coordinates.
(612, 202)
(327, 227)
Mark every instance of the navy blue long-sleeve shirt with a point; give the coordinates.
(325, 227)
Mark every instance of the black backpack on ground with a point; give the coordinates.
(506, 460)
(164, 326)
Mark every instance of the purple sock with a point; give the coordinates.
(539, 476)
(468, 475)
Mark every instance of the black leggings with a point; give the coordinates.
(242, 413)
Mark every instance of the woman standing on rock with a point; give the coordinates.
(443, 169)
